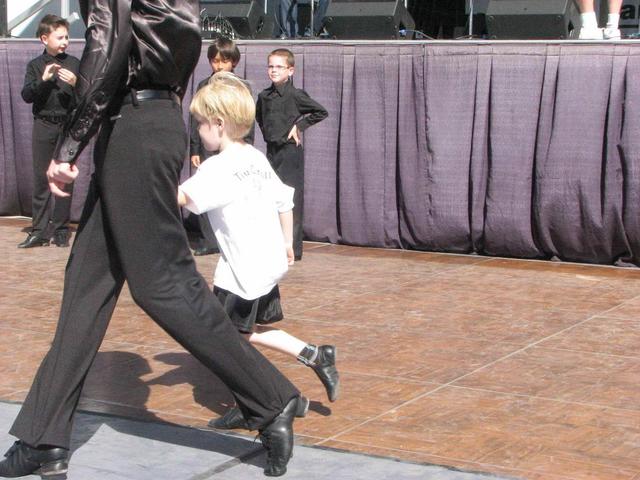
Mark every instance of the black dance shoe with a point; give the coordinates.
(61, 238)
(325, 367)
(34, 241)
(234, 419)
(231, 420)
(22, 459)
(277, 439)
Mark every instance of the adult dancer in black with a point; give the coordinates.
(134, 70)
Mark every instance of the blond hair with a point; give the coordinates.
(226, 96)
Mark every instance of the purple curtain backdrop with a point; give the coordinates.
(512, 149)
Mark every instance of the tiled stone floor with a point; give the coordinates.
(518, 368)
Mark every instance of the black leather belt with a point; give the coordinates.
(138, 96)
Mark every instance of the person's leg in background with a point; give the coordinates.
(588, 21)
(287, 16)
(318, 17)
(589, 29)
(612, 28)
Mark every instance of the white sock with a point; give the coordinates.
(612, 20)
(589, 20)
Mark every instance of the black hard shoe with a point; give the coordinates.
(34, 241)
(61, 238)
(234, 419)
(277, 439)
(200, 251)
(230, 420)
(325, 367)
(22, 459)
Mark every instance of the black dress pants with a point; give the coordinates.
(131, 230)
(208, 239)
(45, 207)
(288, 162)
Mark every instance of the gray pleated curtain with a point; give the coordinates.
(522, 150)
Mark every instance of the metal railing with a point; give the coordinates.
(7, 26)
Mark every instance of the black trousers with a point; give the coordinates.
(288, 162)
(132, 197)
(208, 237)
(45, 207)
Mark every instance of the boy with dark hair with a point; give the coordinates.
(223, 56)
(283, 112)
(48, 85)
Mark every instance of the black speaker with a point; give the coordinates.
(363, 19)
(247, 17)
(526, 19)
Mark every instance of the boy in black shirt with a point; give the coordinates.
(48, 85)
(223, 56)
(283, 112)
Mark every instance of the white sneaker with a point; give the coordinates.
(590, 33)
(611, 33)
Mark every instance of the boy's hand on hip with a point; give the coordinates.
(294, 134)
(59, 175)
(195, 160)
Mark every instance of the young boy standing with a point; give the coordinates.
(250, 210)
(48, 85)
(223, 55)
(283, 112)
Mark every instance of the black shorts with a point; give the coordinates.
(245, 314)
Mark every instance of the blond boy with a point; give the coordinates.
(250, 211)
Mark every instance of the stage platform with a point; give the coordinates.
(520, 149)
(517, 368)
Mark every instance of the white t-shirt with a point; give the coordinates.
(243, 196)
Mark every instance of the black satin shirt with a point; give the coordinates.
(137, 44)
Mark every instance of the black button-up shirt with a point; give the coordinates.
(51, 98)
(281, 107)
(137, 44)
